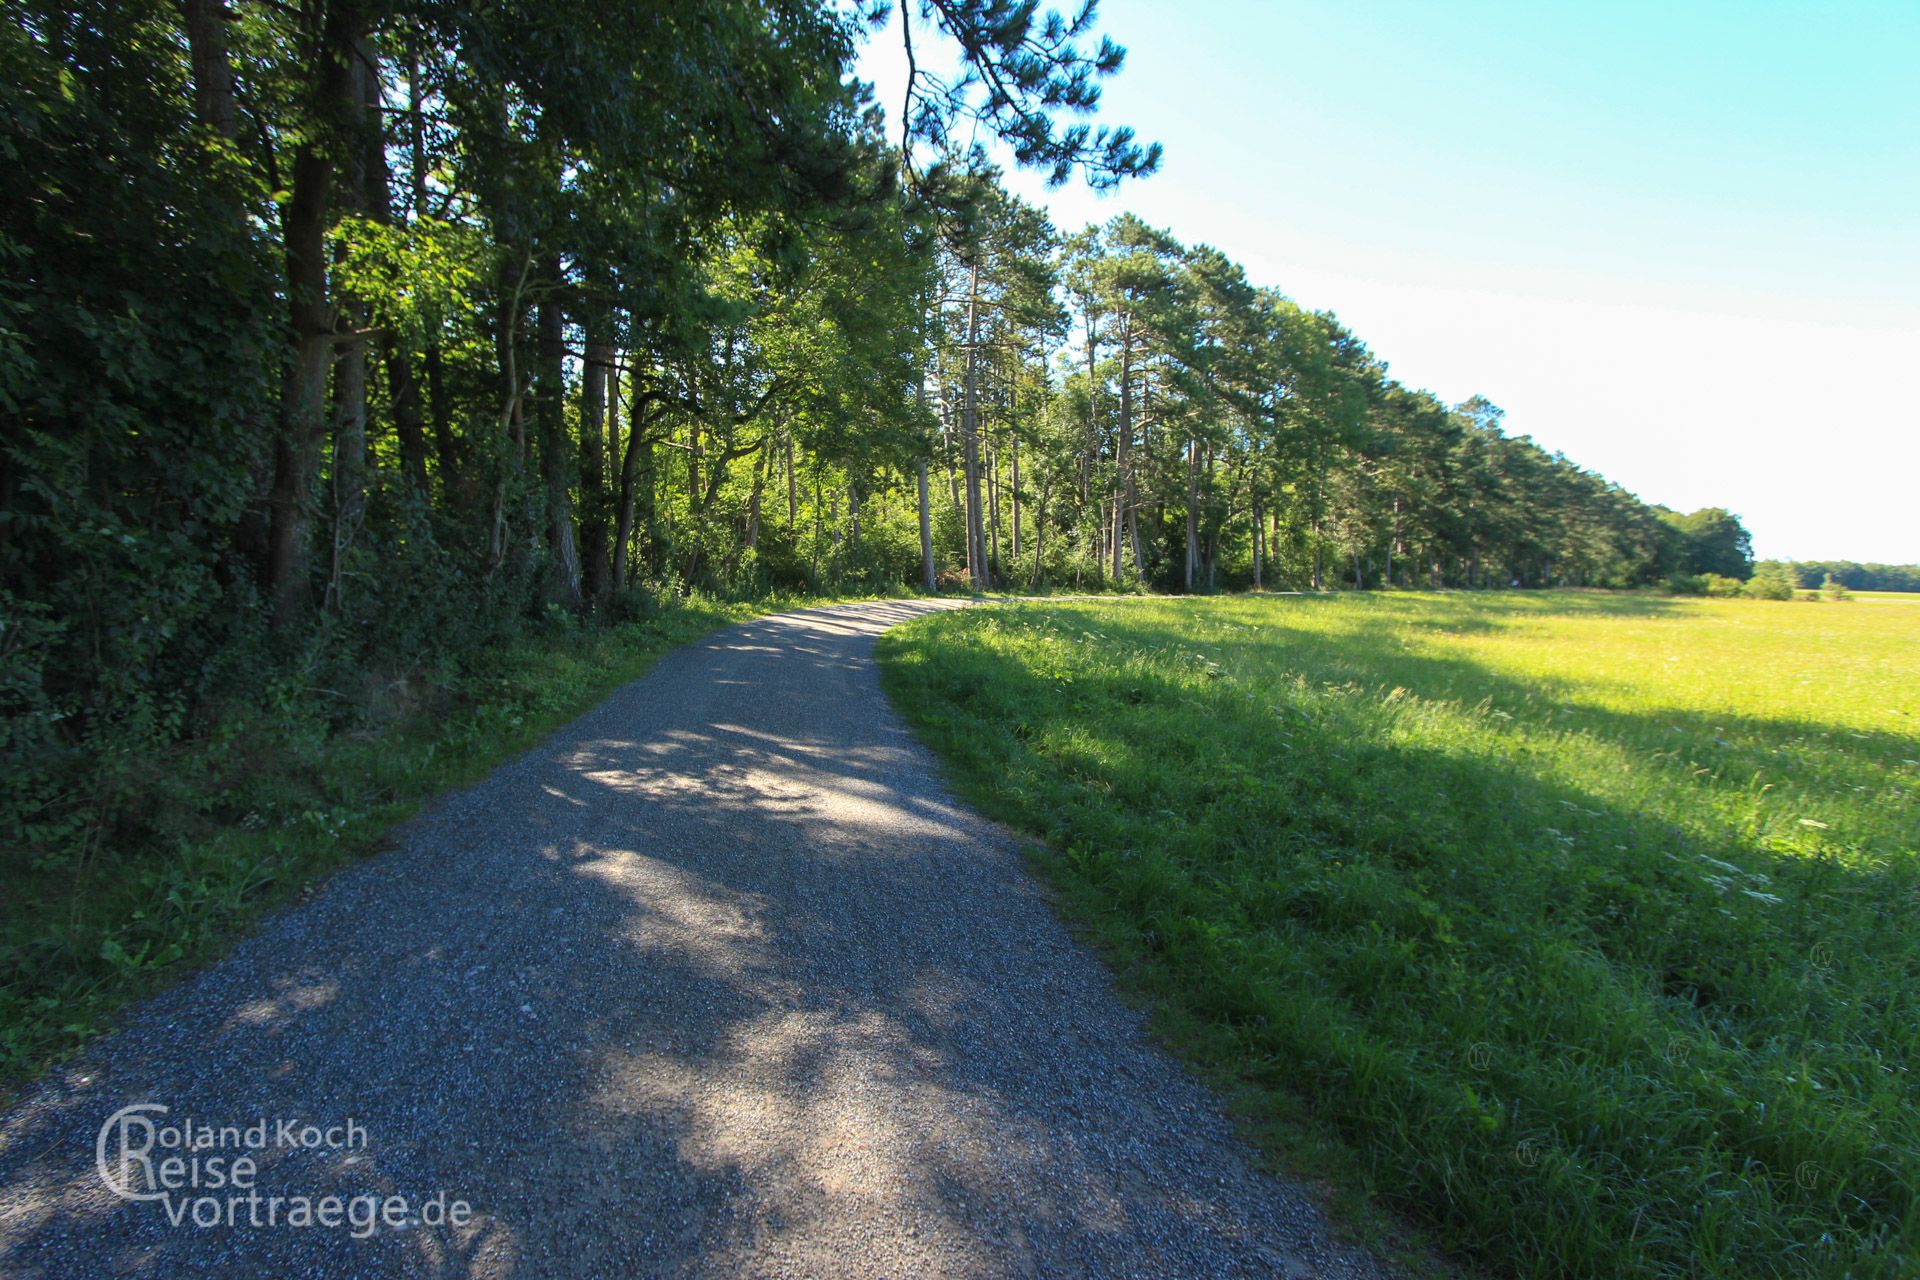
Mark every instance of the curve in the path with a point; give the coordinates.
(717, 981)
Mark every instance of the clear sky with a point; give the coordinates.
(1679, 242)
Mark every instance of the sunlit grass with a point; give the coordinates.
(1583, 926)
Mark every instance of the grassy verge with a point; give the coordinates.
(1581, 928)
(225, 829)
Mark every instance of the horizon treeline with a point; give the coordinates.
(341, 337)
(1850, 573)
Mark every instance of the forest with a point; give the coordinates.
(343, 339)
(384, 383)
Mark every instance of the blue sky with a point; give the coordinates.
(1679, 242)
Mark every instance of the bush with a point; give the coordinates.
(1689, 584)
(1774, 582)
(1834, 589)
(1720, 585)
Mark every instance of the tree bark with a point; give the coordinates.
(927, 577)
(206, 24)
(511, 465)
(556, 459)
(993, 510)
(1040, 533)
(347, 474)
(1121, 477)
(403, 390)
(977, 569)
(1013, 492)
(1091, 444)
(303, 398)
(445, 449)
(762, 463)
(793, 498)
(1259, 538)
(593, 461)
(636, 480)
(1193, 509)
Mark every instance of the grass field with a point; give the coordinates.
(1584, 929)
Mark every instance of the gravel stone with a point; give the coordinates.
(718, 981)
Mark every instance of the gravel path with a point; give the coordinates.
(717, 981)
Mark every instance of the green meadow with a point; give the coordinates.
(1581, 929)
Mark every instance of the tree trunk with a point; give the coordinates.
(614, 447)
(303, 398)
(1193, 508)
(403, 389)
(206, 24)
(993, 510)
(761, 465)
(793, 500)
(593, 461)
(446, 451)
(1393, 534)
(1040, 533)
(1259, 539)
(1091, 444)
(927, 577)
(1013, 494)
(636, 480)
(1121, 478)
(556, 459)
(977, 570)
(512, 465)
(348, 473)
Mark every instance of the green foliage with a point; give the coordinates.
(136, 340)
(361, 423)
(1833, 590)
(416, 277)
(1717, 585)
(1010, 43)
(209, 834)
(1578, 923)
(1711, 540)
(1772, 582)
(1859, 577)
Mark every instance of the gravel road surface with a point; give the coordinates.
(718, 981)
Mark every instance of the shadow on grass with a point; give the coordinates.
(1580, 1039)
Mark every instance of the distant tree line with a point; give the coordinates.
(351, 336)
(1851, 574)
